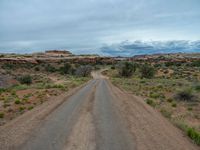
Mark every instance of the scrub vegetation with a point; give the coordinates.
(29, 85)
(173, 88)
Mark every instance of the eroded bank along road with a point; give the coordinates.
(98, 116)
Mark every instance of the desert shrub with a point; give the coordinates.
(83, 71)
(19, 87)
(196, 63)
(160, 86)
(168, 64)
(37, 69)
(26, 65)
(191, 132)
(185, 95)
(166, 113)
(30, 107)
(154, 95)
(1, 115)
(142, 81)
(127, 69)
(194, 135)
(57, 86)
(197, 87)
(150, 102)
(170, 100)
(50, 68)
(8, 66)
(157, 65)
(174, 104)
(66, 69)
(22, 108)
(26, 79)
(2, 90)
(147, 71)
(166, 71)
(112, 67)
(17, 101)
(25, 99)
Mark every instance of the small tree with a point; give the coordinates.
(84, 71)
(66, 69)
(127, 69)
(147, 71)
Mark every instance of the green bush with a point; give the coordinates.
(154, 95)
(142, 81)
(31, 107)
(170, 100)
(157, 65)
(13, 93)
(1, 56)
(8, 66)
(194, 135)
(150, 102)
(112, 67)
(66, 69)
(58, 86)
(174, 104)
(1, 115)
(127, 69)
(191, 132)
(37, 69)
(22, 108)
(147, 71)
(168, 64)
(17, 102)
(20, 87)
(26, 79)
(2, 90)
(196, 63)
(197, 88)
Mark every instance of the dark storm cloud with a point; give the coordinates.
(139, 47)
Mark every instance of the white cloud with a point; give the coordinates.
(87, 24)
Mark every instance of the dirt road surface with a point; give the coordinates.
(97, 116)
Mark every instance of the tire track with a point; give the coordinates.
(57, 127)
(111, 132)
(83, 133)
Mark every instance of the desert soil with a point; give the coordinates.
(97, 116)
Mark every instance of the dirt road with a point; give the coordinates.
(98, 116)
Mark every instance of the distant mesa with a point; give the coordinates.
(58, 53)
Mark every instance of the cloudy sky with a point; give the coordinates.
(107, 27)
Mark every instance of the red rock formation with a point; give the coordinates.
(57, 53)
